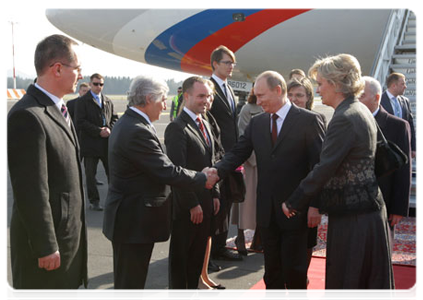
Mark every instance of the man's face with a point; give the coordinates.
(97, 85)
(71, 74)
(224, 68)
(400, 86)
(368, 98)
(298, 96)
(270, 100)
(198, 98)
(155, 108)
(83, 90)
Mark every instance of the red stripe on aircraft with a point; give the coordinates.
(236, 35)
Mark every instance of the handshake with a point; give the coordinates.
(212, 177)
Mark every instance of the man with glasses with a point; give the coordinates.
(48, 245)
(224, 111)
(95, 118)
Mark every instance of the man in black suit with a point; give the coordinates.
(95, 118)
(396, 104)
(287, 141)
(137, 211)
(71, 104)
(189, 144)
(224, 112)
(48, 243)
(396, 186)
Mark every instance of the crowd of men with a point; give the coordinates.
(183, 193)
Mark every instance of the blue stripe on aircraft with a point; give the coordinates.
(168, 49)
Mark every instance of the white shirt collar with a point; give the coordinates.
(143, 114)
(219, 80)
(191, 114)
(283, 111)
(390, 95)
(57, 101)
(376, 111)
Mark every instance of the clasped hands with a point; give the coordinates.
(212, 177)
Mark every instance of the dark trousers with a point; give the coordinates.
(221, 221)
(130, 264)
(285, 257)
(90, 164)
(186, 252)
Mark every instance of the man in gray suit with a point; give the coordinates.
(137, 209)
(287, 141)
(47, 231)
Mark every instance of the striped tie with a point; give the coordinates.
(65, 113)
(203, 131)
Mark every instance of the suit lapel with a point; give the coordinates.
(53, 112)
(192, 126)
(290, 120)
(386, 103)
(222, 98)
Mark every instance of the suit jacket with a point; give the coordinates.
(344, 177)
(396, 186)
(186, 147)
(136, 209)
(48, 209)
(406, 114)
(90, 117)
(225, 117)
(71, 108)
(280, 168)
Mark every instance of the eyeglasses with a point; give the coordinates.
(77, 68)
(98, 83)
(228, 63)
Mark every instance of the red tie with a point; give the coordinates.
(274, 129)
(201, 126)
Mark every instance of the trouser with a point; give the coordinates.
(90, 164)
(130, 264)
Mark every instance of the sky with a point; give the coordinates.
(31, 26)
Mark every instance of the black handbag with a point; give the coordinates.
(236, 186)
(389, 157)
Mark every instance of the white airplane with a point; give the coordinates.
(262, 39)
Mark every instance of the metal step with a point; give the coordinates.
(406, 48)
(404, 68)
(404, 58)
(409, 38)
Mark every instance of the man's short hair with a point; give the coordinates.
(393, 78)
(97, 76)
(217, 54)
(83, 84)
(373, 84)
(297, 72)
(189, 83)
(143, 86)
(52, 49)
(273, 79)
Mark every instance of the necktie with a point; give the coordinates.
(397, 107)
(228, 96)
(65, 113)
(201, 126)
(98, 100)
(274, 129)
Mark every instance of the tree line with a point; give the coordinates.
(112, 86)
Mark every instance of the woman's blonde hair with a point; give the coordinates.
(343, 71)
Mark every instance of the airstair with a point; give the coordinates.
(397, 53)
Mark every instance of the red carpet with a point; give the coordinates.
(405, 276)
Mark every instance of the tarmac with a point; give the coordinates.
(239, 275)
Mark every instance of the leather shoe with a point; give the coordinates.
(218, 287)
(240, 247)
(212, 267)
(96, 207)
(212, 292)
(227, 255)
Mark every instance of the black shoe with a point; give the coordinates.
(227, 255)
(212, 292)
(96, 207)
(98, 182)
(218, 287)
(212, 267)
(240, 247)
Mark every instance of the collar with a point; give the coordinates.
(390, 95)
(94, 95)
(57, 101)
(192, 115)
(219, 80)
(283, 111)
(376, 111)
(141, 113)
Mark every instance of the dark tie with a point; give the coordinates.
(228, 97)
(65, 114)
(201, 126)
(274, 129)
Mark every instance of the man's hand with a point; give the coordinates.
(287, 212)
(212, 177)
(196, 214)
(314, 217)
(216, 205)
(105, 132)
(394, 219)
(50, 262)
